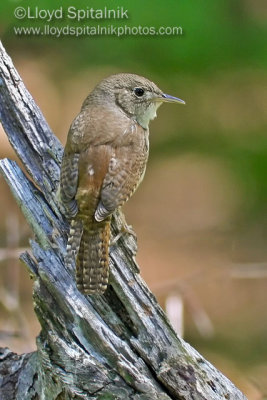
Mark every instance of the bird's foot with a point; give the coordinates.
(125, 229)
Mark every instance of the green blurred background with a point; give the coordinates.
(200, 214)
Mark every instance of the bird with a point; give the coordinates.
(104, 161)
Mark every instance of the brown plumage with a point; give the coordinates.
(103, 163)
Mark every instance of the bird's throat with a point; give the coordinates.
(150, 113)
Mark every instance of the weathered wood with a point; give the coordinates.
(116, 346)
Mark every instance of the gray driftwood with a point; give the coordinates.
(116, 346)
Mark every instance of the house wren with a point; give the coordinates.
(104, 161)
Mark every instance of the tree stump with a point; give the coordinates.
(116, 346)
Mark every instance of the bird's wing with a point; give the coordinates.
(126, 170)
(86, 152)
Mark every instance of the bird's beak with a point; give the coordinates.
(166, 98)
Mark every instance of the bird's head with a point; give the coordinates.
(138, 97)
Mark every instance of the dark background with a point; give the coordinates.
(200, 214)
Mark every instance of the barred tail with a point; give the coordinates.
(74, 239)
(92, 260)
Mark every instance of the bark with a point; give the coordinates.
(116, 346)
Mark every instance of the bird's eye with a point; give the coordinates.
(139, 91)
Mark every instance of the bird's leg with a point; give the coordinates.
(124, 229)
